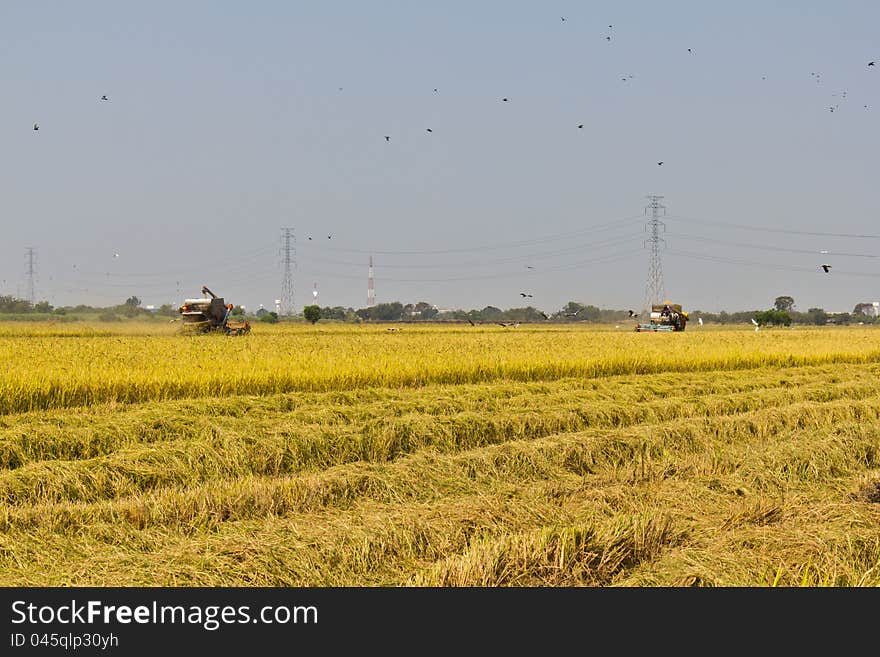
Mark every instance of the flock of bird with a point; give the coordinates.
(608, 37)
(825, 267)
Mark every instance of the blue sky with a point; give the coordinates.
(228, 121)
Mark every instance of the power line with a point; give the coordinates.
(768, 265)
(767, 247)
(611, 257)
(527, 257)
(770, 230)
(497, 245)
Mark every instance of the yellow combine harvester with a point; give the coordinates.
(666, 316)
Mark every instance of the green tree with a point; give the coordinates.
(817, 316)
(383, 312)
(43, 307)
(133, 301)
(312, 313)
(10, 304)
(784, 303)
(425, 310)
(337, 312)
(773, 318)
(270, 317)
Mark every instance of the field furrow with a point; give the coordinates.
(462, 459)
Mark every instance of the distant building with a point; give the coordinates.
(262, 311)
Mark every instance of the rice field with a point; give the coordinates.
(437, 455)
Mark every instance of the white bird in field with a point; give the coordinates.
(755, 323)
(700, 320)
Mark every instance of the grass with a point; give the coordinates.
(439, 456)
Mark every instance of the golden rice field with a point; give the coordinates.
(434, 455)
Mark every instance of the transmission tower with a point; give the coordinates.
(371, 292)
(30, 256)
(288, 263)
(654, 292)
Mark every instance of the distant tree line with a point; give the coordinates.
(423, 311)
(782, 313)
(12, 305)
(131, 307)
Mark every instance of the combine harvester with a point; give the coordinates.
(666, 316)
(210, 314)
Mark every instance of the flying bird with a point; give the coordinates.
(608, 38)
(826, 268)
(757, 326)
(387, 138)
(689, 50)
(329, 236)
(310, 237)
(574, 314)
(36, 127)
(504, 100)
(435, 91)
(470, 321)
(580, 125)
(104, 98)
(529, 267)
(429, 130)
(543, 314)
(631, 313)
(870, 63)
(523, 294)
(659, 164)
(563, 18)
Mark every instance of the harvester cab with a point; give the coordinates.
(210, 313)
(666, 316)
